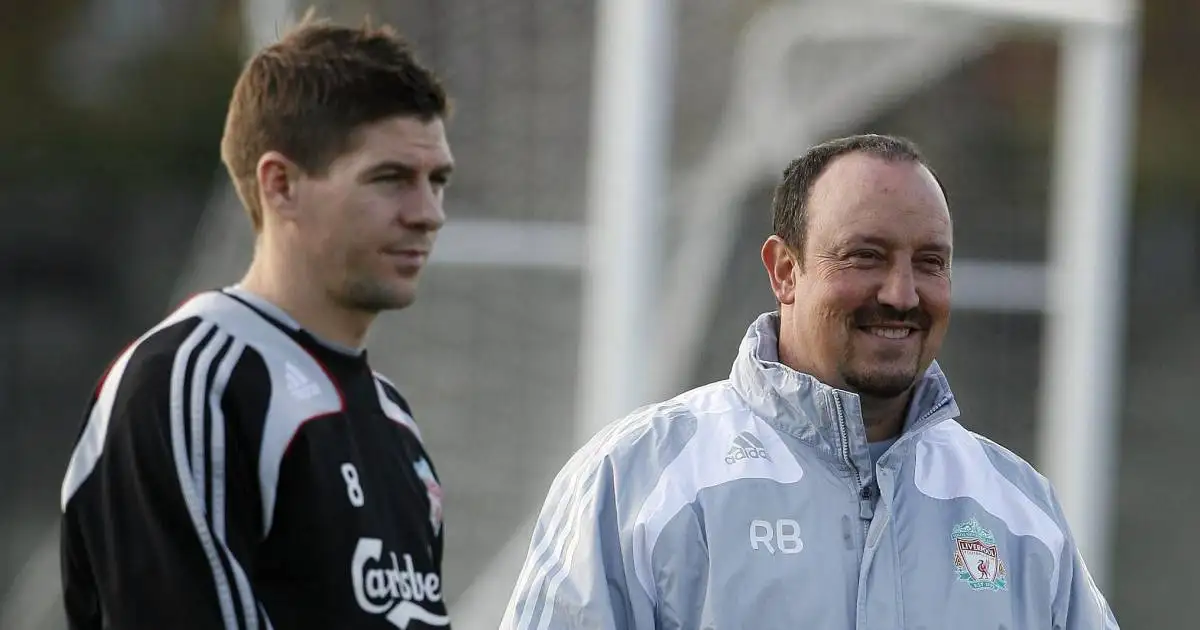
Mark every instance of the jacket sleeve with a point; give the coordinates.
(574, 576)
(1078, 603)
(160, 509)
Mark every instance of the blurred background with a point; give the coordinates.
(1076, 202)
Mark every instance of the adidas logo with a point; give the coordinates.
(746, 446)
(298, 384)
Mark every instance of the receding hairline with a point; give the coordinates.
(815, 208)
(794, 190)
(841, 162)
(915, 162)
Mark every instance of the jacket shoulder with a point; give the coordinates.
(664, 455)
(952, 462)
(1018, 471)
(281, 363)
(974, 455)
(635, 435)
(662, 428)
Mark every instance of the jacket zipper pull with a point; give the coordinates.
(866, 507)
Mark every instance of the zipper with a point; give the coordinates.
(919, 423)
(936, 408)
(865, 509)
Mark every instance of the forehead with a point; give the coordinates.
(409, 140)
(861, 196)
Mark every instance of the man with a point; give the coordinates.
(241, 465)
(827, 483)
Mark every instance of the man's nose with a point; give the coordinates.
(428, 213)
(899, 290)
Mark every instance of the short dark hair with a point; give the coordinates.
(790, 204)
(306, 96)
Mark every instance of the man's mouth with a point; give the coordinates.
(889, 332)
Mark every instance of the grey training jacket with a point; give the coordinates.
(753, 503)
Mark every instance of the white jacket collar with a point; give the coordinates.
(800, 405)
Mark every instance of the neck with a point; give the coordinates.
(884, 417)
(291, 288)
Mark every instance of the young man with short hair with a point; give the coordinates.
(241, 465)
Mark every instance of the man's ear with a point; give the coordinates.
(782, 265)
(278, 178)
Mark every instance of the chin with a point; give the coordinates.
(879, 384)
(382, 296)
(399, 299)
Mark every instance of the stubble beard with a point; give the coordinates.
(369, 295)
(883, 382)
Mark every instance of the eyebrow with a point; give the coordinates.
(935, 246)
(406, 170)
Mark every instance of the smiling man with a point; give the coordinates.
(827, 483)
(241, 465)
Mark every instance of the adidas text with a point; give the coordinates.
(746, 446)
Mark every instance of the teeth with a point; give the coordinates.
(890, 333)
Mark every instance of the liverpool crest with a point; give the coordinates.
(977, 558)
